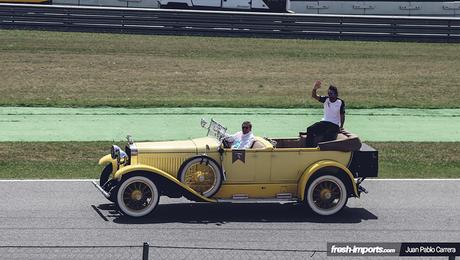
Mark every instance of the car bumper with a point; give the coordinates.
(105, 193)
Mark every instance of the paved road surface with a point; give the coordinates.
(62, 214)
(96, 124)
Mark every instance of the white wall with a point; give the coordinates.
(377, 8)
(317, 7)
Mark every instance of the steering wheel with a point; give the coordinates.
(226, 143)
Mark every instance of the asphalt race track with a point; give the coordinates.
(74, 213)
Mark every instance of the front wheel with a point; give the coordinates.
(137, 196)
(108, 184)
(105, 175)
(326, 195)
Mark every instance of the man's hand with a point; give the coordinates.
(317, 85)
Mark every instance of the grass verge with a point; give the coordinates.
(67, 160)
(89, 69)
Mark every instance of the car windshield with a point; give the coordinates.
(215, 129)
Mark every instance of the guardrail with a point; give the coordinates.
(219, 23)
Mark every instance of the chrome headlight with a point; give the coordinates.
(114, 151)
(117, 153)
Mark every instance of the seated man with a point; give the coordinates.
(242, 139)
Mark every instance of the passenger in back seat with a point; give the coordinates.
(333, 119)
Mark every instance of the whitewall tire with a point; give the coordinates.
(326, 195)
(137, 196)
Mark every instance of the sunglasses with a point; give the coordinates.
(245, 127)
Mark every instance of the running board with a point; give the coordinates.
(274, 200)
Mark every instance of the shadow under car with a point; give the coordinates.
(208, 213)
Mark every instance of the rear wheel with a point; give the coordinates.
(137, 196)
(326, 195)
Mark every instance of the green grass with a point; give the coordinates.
(48, 160)
(87, 70)
(79, 160)
(418, 160)
(90, 70)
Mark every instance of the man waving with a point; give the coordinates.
(333, 118)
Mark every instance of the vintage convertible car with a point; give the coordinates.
(278, 170)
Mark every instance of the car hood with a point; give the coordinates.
(197, 145)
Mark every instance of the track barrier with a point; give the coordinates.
(219, 23)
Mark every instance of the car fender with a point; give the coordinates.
(318, 166)
(108, 159)
(166, 176)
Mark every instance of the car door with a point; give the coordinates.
(247, 165)
(288, 164)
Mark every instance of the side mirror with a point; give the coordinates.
(203, 123)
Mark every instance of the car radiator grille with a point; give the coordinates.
(128, 152)
(165, 163)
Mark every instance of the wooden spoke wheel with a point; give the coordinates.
(326, 195)
(137, 196)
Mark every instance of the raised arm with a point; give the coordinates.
(316, 87)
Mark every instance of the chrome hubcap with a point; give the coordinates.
(326, 194)
(137, 196)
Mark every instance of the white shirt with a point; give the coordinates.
(332, 110)
(240, 140)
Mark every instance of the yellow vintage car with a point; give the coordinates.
(273, 170)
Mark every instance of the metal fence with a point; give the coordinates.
(150, 252)
(216, 23)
